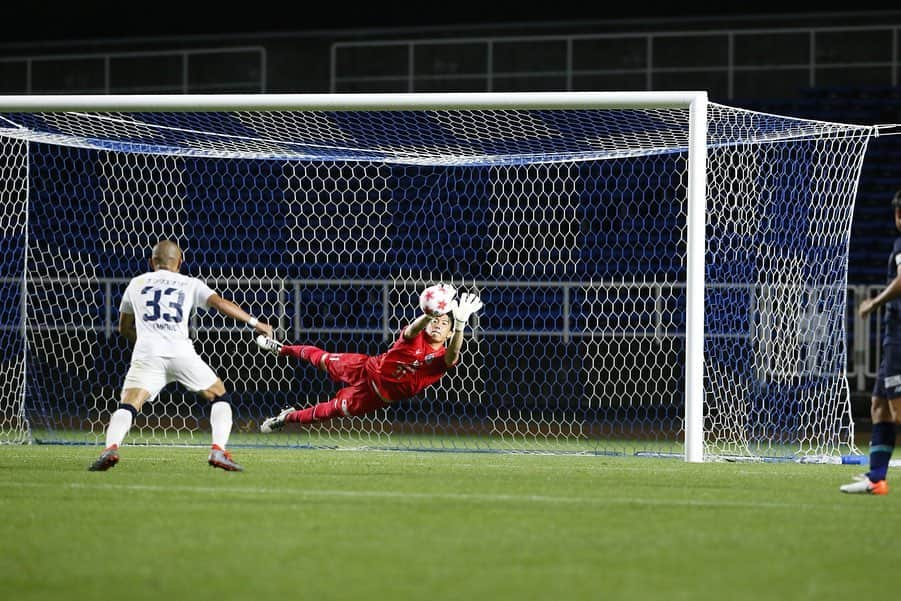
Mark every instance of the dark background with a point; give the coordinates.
(45, 21)
(298, 38)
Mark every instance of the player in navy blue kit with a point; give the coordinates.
(885, 405)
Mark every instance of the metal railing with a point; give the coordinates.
(181, 71)
(284, 304)
(743, 63)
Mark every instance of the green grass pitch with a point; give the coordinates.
(426, 526)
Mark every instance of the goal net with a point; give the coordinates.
(570, 215)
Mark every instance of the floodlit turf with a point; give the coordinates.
(324, 524)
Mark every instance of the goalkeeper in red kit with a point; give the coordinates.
(423, 352)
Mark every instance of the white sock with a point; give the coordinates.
(119, 425)
(221, 422)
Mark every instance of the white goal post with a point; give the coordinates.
(662, 275)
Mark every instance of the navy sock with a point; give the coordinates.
(134, 412)
(882, 443)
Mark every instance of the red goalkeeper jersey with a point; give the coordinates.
(395, 383)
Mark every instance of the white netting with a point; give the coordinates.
(14, 426)
(571, 224)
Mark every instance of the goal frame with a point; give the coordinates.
(695, 101)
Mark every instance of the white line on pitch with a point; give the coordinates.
(401, 496)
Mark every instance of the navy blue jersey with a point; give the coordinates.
(891, 318)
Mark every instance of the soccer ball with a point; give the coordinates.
(436, 300)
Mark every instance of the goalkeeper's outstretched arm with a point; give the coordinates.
(452, 354)
(461, 310)
(417, 325)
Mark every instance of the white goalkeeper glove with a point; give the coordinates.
(464, 307)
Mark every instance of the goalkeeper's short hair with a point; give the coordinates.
(896, 200)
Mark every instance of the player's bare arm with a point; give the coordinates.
(227, 307)
(452, 354)
(417, 326)
(890, 292)
(461, 310)
(127, 327)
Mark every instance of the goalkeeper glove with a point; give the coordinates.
(463, 308)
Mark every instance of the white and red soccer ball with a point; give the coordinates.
(436, 300)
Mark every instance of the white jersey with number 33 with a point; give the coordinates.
(162, 302)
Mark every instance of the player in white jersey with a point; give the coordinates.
(154, 315)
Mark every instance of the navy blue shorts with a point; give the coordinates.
(888, 378)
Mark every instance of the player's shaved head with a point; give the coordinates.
(166, 255)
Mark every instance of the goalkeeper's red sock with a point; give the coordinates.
(316, 413)
(337, 407)
(311, 354)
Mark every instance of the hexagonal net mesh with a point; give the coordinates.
(570, 224)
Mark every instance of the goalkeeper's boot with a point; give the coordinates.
(108, 458)
(865, 486)
(271, 424)
(269, 344)
(221, 458)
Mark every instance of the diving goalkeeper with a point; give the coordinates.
(424, 351)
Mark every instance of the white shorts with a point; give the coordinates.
(153, 373)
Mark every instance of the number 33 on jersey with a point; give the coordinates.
(162, 302)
